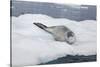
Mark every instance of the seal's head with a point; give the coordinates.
(70, 38)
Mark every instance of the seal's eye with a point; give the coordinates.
(70, 34)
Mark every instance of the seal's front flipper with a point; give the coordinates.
(42, 26)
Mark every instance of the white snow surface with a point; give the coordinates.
(32, 45)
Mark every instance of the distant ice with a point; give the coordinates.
(31, 45)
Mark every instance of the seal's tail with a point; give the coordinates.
(42, 26)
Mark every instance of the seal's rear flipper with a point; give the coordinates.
(40, 25)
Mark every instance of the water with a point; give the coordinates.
(73, 12)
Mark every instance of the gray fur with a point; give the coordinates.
(60, 33)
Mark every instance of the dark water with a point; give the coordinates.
(72, 59)
(72, 12)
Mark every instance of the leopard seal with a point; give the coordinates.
(60, 33)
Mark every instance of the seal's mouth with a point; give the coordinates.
(71, 40)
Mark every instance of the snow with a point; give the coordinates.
(31, 45)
